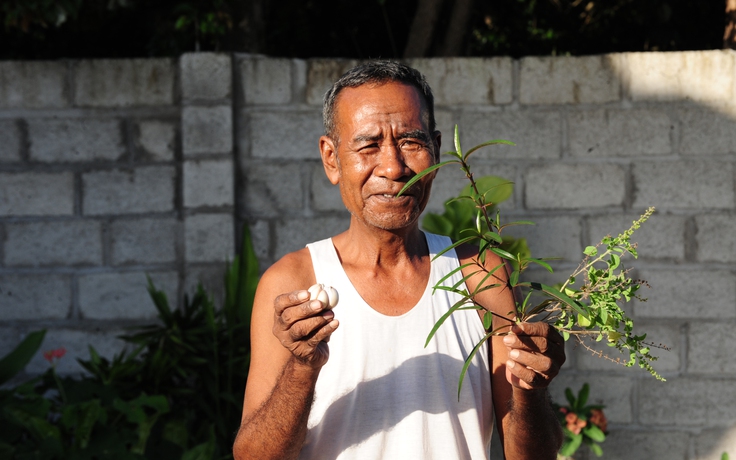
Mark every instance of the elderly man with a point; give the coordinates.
(358, 383)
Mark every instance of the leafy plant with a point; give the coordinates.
(581, 423)
(177, 394)
(586, 305)
(460, 213)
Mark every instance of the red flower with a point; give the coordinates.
(598, 418)
(51, 354)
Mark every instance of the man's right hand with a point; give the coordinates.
(304, 327)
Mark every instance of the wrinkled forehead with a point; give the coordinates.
(352, 100)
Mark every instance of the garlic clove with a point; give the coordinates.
(314, 290)
(332, 295)
(322, 297)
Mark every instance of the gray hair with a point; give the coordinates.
(378, 71)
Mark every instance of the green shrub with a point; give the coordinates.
(177, 393)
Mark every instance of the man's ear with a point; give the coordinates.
(437, 137)
(328, 150)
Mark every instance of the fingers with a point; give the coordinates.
(536, 352)
(303, 327)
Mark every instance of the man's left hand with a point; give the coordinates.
(536, 353)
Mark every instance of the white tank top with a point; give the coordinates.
(382, 394)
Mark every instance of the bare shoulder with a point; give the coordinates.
(290, 273)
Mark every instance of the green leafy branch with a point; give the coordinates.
(586, 305)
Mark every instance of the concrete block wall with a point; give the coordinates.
(599, 139)
(110, 170)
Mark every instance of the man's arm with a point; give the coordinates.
(288, 348)
(523, 363)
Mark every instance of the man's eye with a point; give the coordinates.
(410, 146)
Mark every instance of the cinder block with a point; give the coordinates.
(681, 294)
(614, 392)
(210, 277)
(687, 401)
(208, 183)
(536, 134)
(65, 243)
(450, 181)
(569, 80)
(123, 295)
(557, 237)
(716, 237)
(209, 238)
(660, 237)
(75, 140)
(642, 444)
(321, 74)
(207, 130)
(35, 297)
(143, 241)
(205, 76)
(290, 135)
(34, 194)
(10, 141)
(707, 132)
(294, 234)
(620, 133)
(33, 84)
(260, 233)
(145, 189)
(324, 195)
(266, 80)
(157, 139)
(124, 82)
(684, 184)
(468, 81)
(272, 189)
(572, 186)
(711, 443)
(711, 345)
(77, 343)
(702, 76)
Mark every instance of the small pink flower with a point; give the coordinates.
(51, 354)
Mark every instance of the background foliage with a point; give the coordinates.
(50, 29)
(176, 392)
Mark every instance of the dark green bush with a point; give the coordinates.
(176, 393)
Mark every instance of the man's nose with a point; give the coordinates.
(391, 164)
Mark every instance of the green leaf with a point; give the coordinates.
(486, 144)
(571, 445)
(487, 320)
(503, 254)
(456, 140)
(597, 450)
(594, 433)
(556, 294)
(449, 275)
(541, 263)
(514, 278)
(468, 361)
(582, 397)
(20, 356)
(416, 178)
(591, 251)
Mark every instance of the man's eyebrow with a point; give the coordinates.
(367, 138)
(415, 134)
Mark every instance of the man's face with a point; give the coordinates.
(382, 141)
